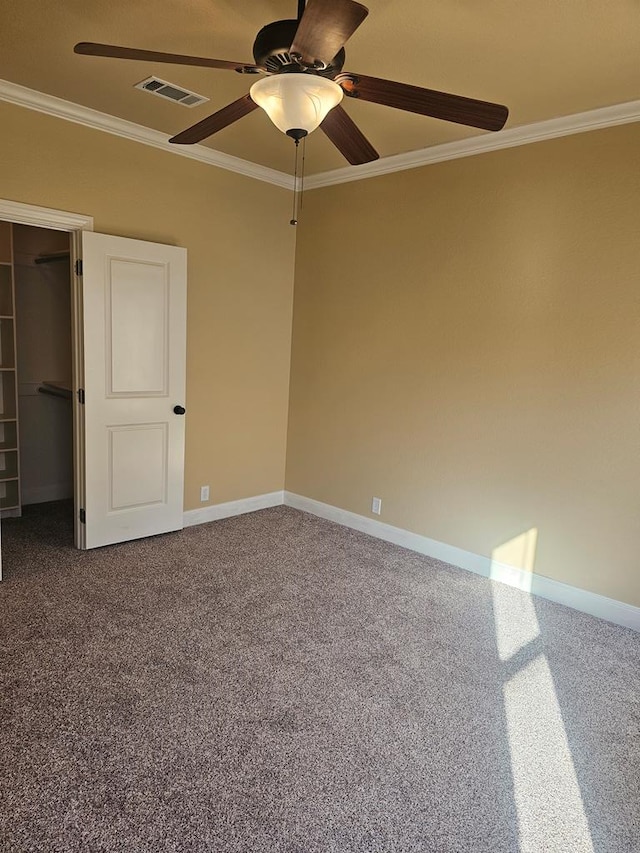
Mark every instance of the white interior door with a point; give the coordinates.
(130, 430)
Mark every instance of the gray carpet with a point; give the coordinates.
(275, 682)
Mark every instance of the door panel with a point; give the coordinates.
(142, 446)
(138, 328)
(134, 329)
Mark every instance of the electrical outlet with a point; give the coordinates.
(204, 493)
(376, 506)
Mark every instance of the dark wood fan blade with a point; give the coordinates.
(348, 138)
(426, 102)
(213, 123)
(88, 48)
(325, 27)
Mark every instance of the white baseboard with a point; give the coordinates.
(44, 494)
(609, 609)
(231, 508)
(579, 599)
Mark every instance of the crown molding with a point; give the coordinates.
(59, 108)
(525, 135)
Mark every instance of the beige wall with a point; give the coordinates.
(240, 250)
(465, 340)
(467, 347)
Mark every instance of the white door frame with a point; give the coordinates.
(74, 223)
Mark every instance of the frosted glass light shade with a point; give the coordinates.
(296, 101)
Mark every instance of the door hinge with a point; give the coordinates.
(81, 395)
(79, 266)
(83, 517)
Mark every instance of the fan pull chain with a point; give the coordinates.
(294, 212)
(304, 154)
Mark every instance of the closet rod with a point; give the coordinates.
(55, 392)
(58, 256)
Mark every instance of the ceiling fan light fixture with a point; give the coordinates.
(296, 102)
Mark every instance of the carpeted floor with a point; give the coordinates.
(275, 682)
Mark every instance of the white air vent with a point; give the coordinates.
(171, 92)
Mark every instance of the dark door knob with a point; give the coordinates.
(179, 410)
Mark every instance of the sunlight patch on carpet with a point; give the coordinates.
(546, 791)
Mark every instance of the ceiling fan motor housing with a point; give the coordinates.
(272, 50)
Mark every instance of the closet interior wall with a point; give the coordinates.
(42, 275)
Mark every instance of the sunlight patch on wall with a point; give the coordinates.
(513, 561)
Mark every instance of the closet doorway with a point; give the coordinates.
(123, 445)
(41, 260)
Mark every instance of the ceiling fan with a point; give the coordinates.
(303, 82)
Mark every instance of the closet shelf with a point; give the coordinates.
(10, 499)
